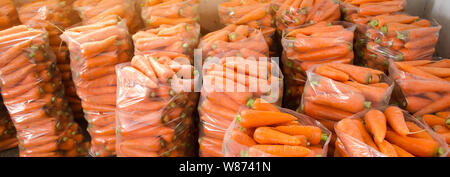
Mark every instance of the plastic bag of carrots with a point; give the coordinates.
(8, 15)
(360, 11)
(234, 40)
(181, 38)
(264, 130)
(399, 37)
(254, 13)
(33, 93)
(169, 12)
(292, 13)
(391, 132)
(155, 102)
(54, 16)
(309, 45)
(8, 138)
(93, 11)
(228, 84)
(95, 49)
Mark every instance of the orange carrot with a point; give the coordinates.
(314, 134)
(376, 124)
(279, 150)
(394, 116)
(401, 152)
(387, 149)
(418, 147)
(267, 135)
(254, 118)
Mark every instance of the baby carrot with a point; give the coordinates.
(376, 124)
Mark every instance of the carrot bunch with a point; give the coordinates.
(32, 90)
(311, 45)
(398, 37)
(229, 83)
(392, 133)
(292, 13)
(234, 40)
(54, 16)
(180, 38)
(154, 106)
(263, 130)
(254, 13)
(95, 49)
(93, 11)
(169, 12)
(360, 11)
(8, 15)
(8, 138)
(424, 84)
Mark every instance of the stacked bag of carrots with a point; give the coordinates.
(93, 11)
(33, 93)
(8, 138)
(398, 37)
(392, 133)
(293, 13)
(8, 14)
(264, 130)
(169, 12)
(311, 45)
(95, 49)
(236, 69)
(254, 13)
(425, 91)
(54, 16)
(360, 11)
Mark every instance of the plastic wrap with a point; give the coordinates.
(155, 102)
(181, 38)
(254, 13)
(234, 40)
(54, 16)
(357, 11)
(309, 45)
(93, 11)
(395, 37)
(356, 137)
(169, 12)
(8, 138)
(33, 93)
(8, 15)
(94, 51)
(229, 83)
(283, 133)
(292, 13)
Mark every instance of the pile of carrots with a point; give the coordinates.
(32, 90)
(8, 138)
(397, 37)
(170, 12)
(359, 11)
(180, 38)
(93, 11)
(234, 40)
(95, 49)
(392, 133)
(312, 45)
(254, 13)
(263, 130)
(154, 117)
(8, 14)
(293, 13)
(54, 16)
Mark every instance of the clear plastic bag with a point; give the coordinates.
(155, 106)
(292, 13)
(229, 83)
(94, 51)
(360, 12)
(395, 37)
(354, 139)
(8, 138)
(54, 16)
(309, 45)
(8, 15)
(34, 96)
(169, 12)
(181, 38)
(312, 137)
(93, 11)
(234, 40)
